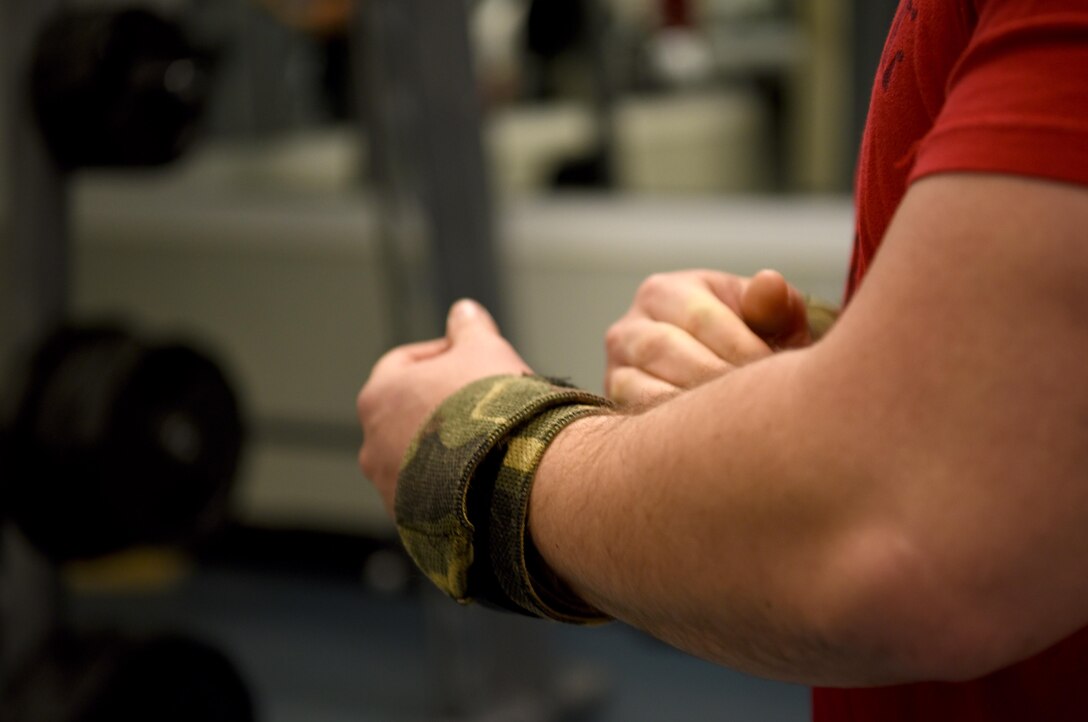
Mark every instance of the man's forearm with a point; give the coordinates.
(712, 522)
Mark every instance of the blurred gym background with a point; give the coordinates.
(215, 215)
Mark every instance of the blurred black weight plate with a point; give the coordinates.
(117, 441)
(117, 88)
(111, 678)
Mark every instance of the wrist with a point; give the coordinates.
(560, 507)
(463, 494)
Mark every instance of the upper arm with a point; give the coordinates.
(958, 377)
(959, 368)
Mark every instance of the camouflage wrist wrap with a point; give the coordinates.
(821, 316)
(463, 493)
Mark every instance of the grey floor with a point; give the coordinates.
(320, 650)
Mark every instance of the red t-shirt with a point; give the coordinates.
(973, 85)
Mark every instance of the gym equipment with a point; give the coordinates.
(116, 441)
(108, 677)
(116, 88)
(106, 440)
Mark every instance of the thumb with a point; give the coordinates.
(772, 308)
(467, 319)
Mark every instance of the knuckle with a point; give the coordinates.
(701, 317)
(364, 401)
(614, 338)
(389, 357)
(653, 285)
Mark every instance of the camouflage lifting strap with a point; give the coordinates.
(463, 494)
(821, 316)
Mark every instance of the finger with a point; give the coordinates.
(664, 351)
(468, 319)
(799, 335)
(773, 308)
(631, 387)
(765, 305)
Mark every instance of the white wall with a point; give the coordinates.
(286, 287)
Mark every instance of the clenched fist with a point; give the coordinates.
(687, 327)
(409, 383)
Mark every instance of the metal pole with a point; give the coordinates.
(424, 120)
(423, 129)
(33, 298)
(35, 233)
(453, 175)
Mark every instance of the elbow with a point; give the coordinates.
(956, 645)
(900, 620)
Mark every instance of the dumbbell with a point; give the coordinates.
(108, 677)
(117, 88)
(113, 440)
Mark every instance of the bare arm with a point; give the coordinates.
(906, 500)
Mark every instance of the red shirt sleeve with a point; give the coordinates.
(1017, 98)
